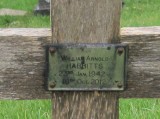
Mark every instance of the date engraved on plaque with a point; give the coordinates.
(87, 67)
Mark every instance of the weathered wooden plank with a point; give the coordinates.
(143, 63)
(143, 66)
(25, 32)
(22, 63)
(85, 21)
(85, 105)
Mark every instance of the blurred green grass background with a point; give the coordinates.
(134, 13)
(27, 21)
(25, 109)
(141, 13)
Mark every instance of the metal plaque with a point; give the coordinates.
(87, 67)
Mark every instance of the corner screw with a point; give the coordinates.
(82, 48)
(120, 50)
(108, 48)
(119, 85)
(52, 50)
(52, 85)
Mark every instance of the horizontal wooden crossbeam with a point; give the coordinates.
(22, 62)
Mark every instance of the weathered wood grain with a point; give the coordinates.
(85, 21)
(85, 105)
(22, 63)
(26, 32)
(143, 65)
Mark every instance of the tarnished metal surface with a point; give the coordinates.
(87, 67)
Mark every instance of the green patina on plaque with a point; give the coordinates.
(87, 67)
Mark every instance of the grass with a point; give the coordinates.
(139, 109)
(141, 13)
(135, 13)
(29, 20)
(35, 109)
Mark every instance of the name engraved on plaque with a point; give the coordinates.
(87, 67)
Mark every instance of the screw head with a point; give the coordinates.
(52, 50)
(108, 48)
(120, 51)
(52, 85)
(119, 85)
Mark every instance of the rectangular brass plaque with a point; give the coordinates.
(87, 67)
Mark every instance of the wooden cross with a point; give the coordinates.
(22, 61)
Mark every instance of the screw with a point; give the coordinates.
(120, 50)
(82, 48)
(119, 85)
(52, 85)
(108, 48)
(52, 50)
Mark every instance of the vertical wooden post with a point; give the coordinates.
(85, 21)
